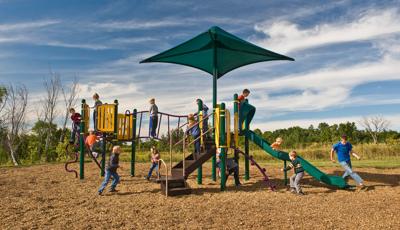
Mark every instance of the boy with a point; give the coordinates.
(153, 111)
(155, 158)
(298, 173)
(205, 114)
(91, 142)
(97, 103)
(343, 149)
(244, 95)
(241, 99)
(111, 171)
(231, 167)
(76, 122)
(194, 131)
(277, 144)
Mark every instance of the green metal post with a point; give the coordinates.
(246, 150)
(133, 153)
(285, 172)
(81, 143)
(222, 142)
(235, 112)
(103, 155)
(116, 119)
(200, 168)
(214, 159)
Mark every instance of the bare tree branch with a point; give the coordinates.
(375, 125)
(70, 96)
(52, 87)
(15, 110)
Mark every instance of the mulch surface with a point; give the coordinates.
(46, 197)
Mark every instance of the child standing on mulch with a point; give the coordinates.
(343, 149)
(111, 171)
(298, 173)
(155, 158)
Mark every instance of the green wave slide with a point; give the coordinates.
(247, 112)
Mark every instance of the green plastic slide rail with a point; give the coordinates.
(247, 112)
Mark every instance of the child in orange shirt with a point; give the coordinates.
(91, 141)
(277, 144)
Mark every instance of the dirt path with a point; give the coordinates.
(46, 197)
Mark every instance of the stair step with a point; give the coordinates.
(177, 191)
(173, 184)
(171, 178)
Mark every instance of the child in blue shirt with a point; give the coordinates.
(343, 149)
(194, 131)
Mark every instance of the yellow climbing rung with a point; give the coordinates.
(227, 127)
(86, 116)
(106, 118)
(125, 124)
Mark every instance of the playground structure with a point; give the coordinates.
(216, 52)
(113, 126)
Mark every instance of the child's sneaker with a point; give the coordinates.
(147, 178)
(100, 193)
(113, 190)
(301, 193)
(362, 187)
(292, 190)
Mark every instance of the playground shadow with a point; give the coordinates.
(245, 187)
(384, 180)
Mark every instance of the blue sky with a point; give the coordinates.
(347, 55)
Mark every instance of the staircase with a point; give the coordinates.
(177, 182)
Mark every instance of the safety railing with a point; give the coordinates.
(125, 124)
(106, 117)
(160, 116)
(166, 174)
(185, 136)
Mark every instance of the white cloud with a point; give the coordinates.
(27, 25)
(305, 123)
(285, 36)
(319, 89)
(136, 24)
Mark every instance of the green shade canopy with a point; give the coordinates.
(216, 52)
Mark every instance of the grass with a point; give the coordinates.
(380, 156)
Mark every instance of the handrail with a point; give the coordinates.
(166, 175)
(198, 122)
(167, 114)
(210, 129)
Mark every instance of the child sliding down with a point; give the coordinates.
(298, 173)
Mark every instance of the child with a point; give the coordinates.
(231, 167)
(244, 95)
(298, 173)
(205, 113)
(111, 171)
(76, 122)
(343, 149)
(97, 103)
(241, 99)
(194, 131)
(155, 158)
(153, 111)
(277, 144)
(92, 141)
